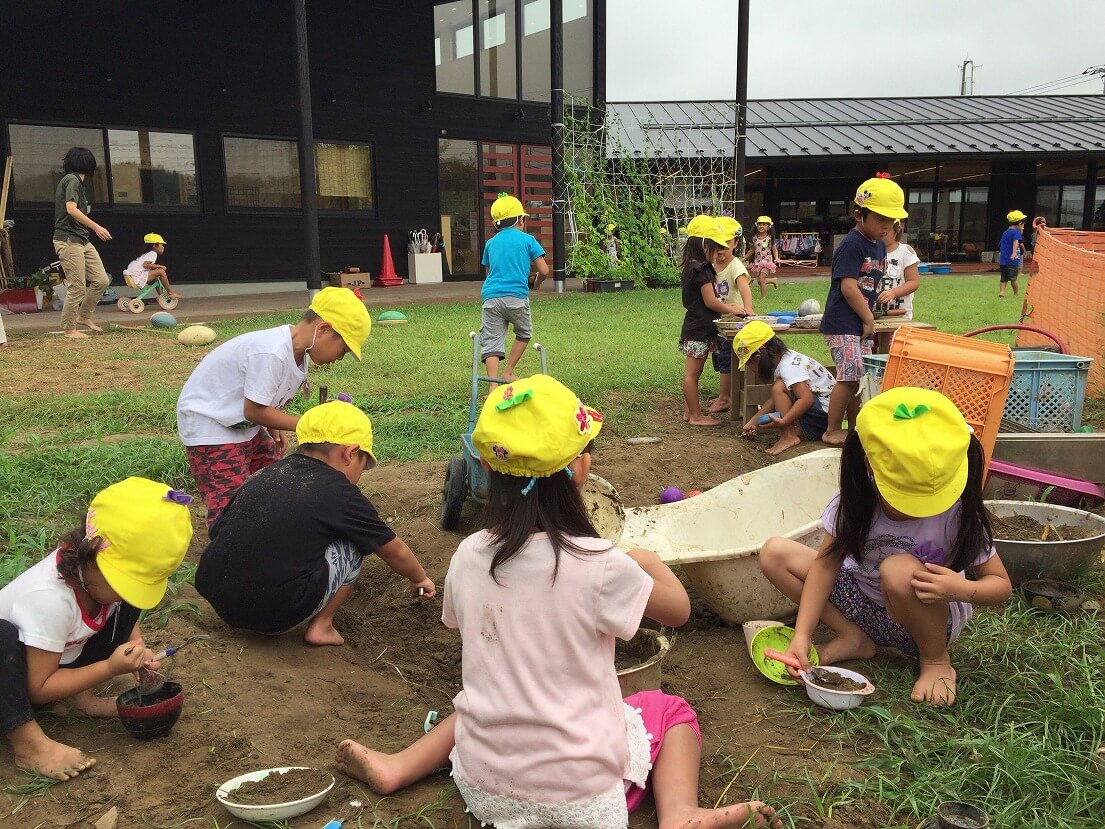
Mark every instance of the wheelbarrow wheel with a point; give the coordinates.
(452, 494)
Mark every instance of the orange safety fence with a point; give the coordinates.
(1067, 296)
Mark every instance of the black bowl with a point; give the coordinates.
(151, 716)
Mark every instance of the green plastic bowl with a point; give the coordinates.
(391, 318)
(777, 637)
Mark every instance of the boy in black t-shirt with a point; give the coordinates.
(859, 263)
(288, 547)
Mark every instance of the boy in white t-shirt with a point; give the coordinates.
(230, 412)
(901, 278)
(144, 269)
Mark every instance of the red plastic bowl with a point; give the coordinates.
(155, 717)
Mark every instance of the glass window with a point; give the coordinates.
(261, 172)
(965, 172)
(1061, 205)
(753, 207)
(498, 55)
(536, 48)
(153, 168)
(1098, 218)
(1056, 172)
(458, 182)
(37, 152)
(912, 172)
(345, 176)
(454, 47)
(579, 72)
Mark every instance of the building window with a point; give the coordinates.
(790, 211)
(345, 176)
(536, 57)
(498, 55)
(1098, 218)
(579, 67)
(1061, 204)
(458, 183)
(156, 168)
(37, 152)
(454, 48)
(261, 172)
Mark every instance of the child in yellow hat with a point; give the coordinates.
(800, 387)
(763, 255)
(1011, 251)
(70, 622)
(230, 412)
(859, 264)
(731, 286)
(698, 337)
(289, 546)
(145, 268)
(540, 732)
(908, 521)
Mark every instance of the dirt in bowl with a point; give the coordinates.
(280, 787)
(636, 651)
(1023, 528)
(835, 681)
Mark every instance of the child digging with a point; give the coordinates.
(908, 520)
(144, 269)
(800, 387)
(230, 412)
(509, 256)
(288, 548)
(70, 622)
(859, 263)
(541, 736)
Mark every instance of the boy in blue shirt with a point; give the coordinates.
(859, 263)
(1011, 251)
(509, 256)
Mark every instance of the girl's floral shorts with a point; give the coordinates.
(699, 349)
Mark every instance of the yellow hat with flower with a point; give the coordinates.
(730, 227)
(1015, 217)
(533, 427)
(749, 340)
(347, 315)
(145, 529)
(707, 227)
(882, 195)
(916, 444)
(336, 422)
(506, 207)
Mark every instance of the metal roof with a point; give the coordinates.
(858, 127)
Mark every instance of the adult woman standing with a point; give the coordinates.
(85, 277)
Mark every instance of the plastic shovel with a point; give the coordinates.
(820, 674)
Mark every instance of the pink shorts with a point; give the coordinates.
(848, 351)
(660, 712)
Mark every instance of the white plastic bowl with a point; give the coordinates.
(268, 811)
(837, 700)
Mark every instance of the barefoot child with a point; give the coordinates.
(859, 263)
(800, 387)
(764, 253)
(144, 269)
(288, 548)
(1011, 251)
(909, 519)
(509, 256)
(698, 337)
(541, 736)
(70, 622)
(730, 285)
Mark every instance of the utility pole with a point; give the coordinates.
(1097, 70)
(560, 182)
(741, 121)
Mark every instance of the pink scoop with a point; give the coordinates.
(1023, 473)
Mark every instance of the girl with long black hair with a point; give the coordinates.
(908, 521)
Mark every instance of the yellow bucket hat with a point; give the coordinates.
(764, 220)
(882, 195)
(707, 227)
(145, 527)
(533, 427)
(506, 207)
(730, 227)
(1015, 216)
(749, 340)
(916, 443)
(346, 313)
(336, 422)
(153, 239)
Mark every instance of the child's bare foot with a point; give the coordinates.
(718, 405)
(86, 704)
(701, 420)
(835, 437)
(752, 813)
(74, 334)
(49, 758)
(368, 766)
(784, 443)
(935, 684)
(322, 632)
(175, 295)
(509, 377)
(90, 325)
(843, 648)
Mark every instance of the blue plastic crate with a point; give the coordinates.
(1046, 393)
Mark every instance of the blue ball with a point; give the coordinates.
(163, 319)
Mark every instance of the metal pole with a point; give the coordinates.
(560, 182)
(742, 105)
(308, 192)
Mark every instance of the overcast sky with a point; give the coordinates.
(686, 49)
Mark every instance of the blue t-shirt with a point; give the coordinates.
(508, 256)
(863, 260)
(1005, 246)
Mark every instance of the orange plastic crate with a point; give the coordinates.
(973, 374)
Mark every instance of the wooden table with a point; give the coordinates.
(749, 393)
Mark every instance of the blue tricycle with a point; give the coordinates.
(464, 477)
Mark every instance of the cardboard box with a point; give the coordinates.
(350, 280)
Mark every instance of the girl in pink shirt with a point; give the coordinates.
(541, 736)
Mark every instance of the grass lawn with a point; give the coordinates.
(1020, 740)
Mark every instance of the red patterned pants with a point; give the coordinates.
(222, 468)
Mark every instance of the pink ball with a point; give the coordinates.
(693, 492)
(671, 494)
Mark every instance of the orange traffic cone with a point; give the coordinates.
(388, 278)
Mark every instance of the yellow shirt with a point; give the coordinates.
(725, 283)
